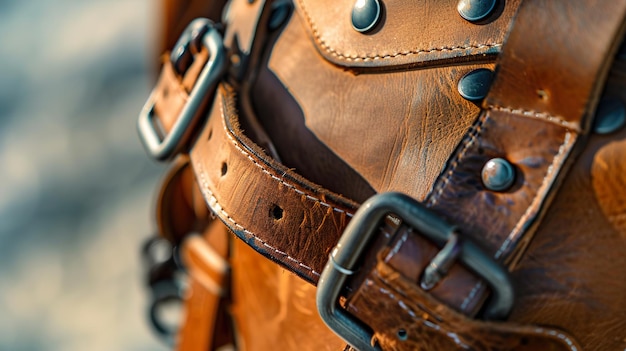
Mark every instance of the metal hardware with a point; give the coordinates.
(365, 15)
(475, 85)
(498, 174)
(441, 263)
(163, 293)
(163, 277)
(166, 147)
(610, 116)
(475, 10)
(355, 239)
(280, 12)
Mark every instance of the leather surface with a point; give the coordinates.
(410, 32)
(572, 274)
(294, 221)
(396, 130)
(429, 325)
(273, 309)
(559, 270)
(277, 212)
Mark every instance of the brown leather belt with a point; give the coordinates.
(297, 223)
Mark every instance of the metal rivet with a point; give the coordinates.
(610, 116)
(280, 13)
(365, 15)
(475, 10)
(474, 86)
(498, 174)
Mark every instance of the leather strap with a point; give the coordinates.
(539, 129)
(181, 212)
(279, 213)
(296, 223)
(208, 275)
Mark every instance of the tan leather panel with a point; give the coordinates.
(396, 130)
(411, 32)
(274, 309)
(426, 324)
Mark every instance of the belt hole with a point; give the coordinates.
(276, 212)
(402, 335)
(224, 168)
(210, 134)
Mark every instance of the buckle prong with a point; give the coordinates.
(361, 230)
(441, 263)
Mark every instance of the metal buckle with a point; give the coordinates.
(357, 235)
(202, 31)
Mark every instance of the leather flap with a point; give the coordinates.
(409, 32)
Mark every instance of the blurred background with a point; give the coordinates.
(75, 183)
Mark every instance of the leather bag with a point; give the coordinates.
(448, 176)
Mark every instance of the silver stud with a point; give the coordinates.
(475, 10)
(474, 86)
(280, 13)
(610, 116)
(365, 15)
(498, 174)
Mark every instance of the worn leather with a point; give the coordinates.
(288, 219)
(274, 309)
(410, 33)
(338, 126)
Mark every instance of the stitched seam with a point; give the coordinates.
(398, 245)
(457, 160)
(539, 115)
(345, 57)
(453, 336)
(549, 174)
(550, 171)
(471, 295)
(561, 336)
(309, 197)
(217, 208)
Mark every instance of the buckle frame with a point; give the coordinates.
(357, 235)
(207, 80)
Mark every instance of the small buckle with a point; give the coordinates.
(202, 31)
(355, 239)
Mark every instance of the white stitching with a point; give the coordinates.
(345, 57)
(411, 313)
(212, 201)
(307, 196)
(561, 336)
(471, 295)
(549, 172)
(539, 115)
(474, 133)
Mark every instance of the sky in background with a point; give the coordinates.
(75, 184)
